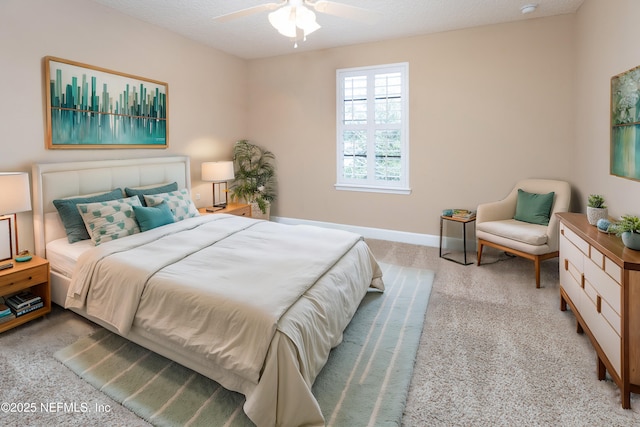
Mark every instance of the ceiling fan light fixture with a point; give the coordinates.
(288, 18)
(281, 20)
(306, 20)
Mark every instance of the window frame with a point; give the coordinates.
(371, 184)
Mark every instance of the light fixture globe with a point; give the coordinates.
(306, 20)
(289, 18)
(283, 21)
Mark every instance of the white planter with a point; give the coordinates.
(594, 214)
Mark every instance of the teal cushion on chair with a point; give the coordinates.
(534, 208)
(152, 217)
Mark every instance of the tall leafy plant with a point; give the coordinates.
(255, 174)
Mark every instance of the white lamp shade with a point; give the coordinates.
(217, 171)
(15, 194)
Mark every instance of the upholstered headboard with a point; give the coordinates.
(59, 180)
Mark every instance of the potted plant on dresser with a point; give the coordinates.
(255, 181)
(596, 209)
(629, 229)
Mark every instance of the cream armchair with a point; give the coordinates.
(497, 228)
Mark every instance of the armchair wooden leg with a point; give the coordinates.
(536, 262)
(480, 246)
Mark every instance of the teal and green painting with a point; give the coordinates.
(91, 107)
(625, 124)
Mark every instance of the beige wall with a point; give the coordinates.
(207, 99)
(607, 45)
(489, 106)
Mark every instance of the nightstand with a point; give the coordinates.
(32, 275)
(239, 209)
(464, 223)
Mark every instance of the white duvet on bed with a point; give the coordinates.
(246, 280)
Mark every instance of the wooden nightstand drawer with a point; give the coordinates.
(242, 211)
(239, 209)
(24, 279)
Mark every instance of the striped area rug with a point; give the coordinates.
(364, 382)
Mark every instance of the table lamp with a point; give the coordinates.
(15, 196)
(218, 173)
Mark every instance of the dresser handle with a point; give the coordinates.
(599, 304)
(582, 281)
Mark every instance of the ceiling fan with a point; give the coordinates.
(296, 18)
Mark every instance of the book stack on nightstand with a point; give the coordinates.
(5, 312)
(23, 303)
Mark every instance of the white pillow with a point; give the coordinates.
(179, 202)
(110, 220)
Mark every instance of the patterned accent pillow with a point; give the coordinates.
(111, 219)
(141, 191)
(179, 202)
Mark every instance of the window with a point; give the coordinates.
(373, 129)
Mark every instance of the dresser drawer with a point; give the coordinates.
(604, 285)
(612, 317)
(572, 253)
(576, 240)
(24, 278)
(571, 282)
(613, 270)
(603, 332)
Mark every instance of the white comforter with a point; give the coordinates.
(216, 285)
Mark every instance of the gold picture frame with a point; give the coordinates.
(93, 107)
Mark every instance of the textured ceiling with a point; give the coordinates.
(253, 37)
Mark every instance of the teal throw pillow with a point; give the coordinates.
(71, 218)
(534, 208)
(142, 191)
(152, 217)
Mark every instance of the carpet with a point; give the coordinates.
(364, 382)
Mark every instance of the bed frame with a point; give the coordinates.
(265, 400)
(59, 180)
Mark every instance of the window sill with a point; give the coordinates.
(372, 189)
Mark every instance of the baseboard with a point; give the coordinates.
(369, 232)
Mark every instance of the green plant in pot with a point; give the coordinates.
(255, 180)
(629, 229)
(596, 209)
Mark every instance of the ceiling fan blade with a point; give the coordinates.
(344, 10)
(249, 11)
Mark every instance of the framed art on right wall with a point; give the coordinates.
(625, 124)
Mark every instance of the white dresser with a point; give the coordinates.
(600, 281)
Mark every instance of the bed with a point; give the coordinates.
(254, 305)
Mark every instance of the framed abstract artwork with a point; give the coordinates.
(625, 124)
(92, 107)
